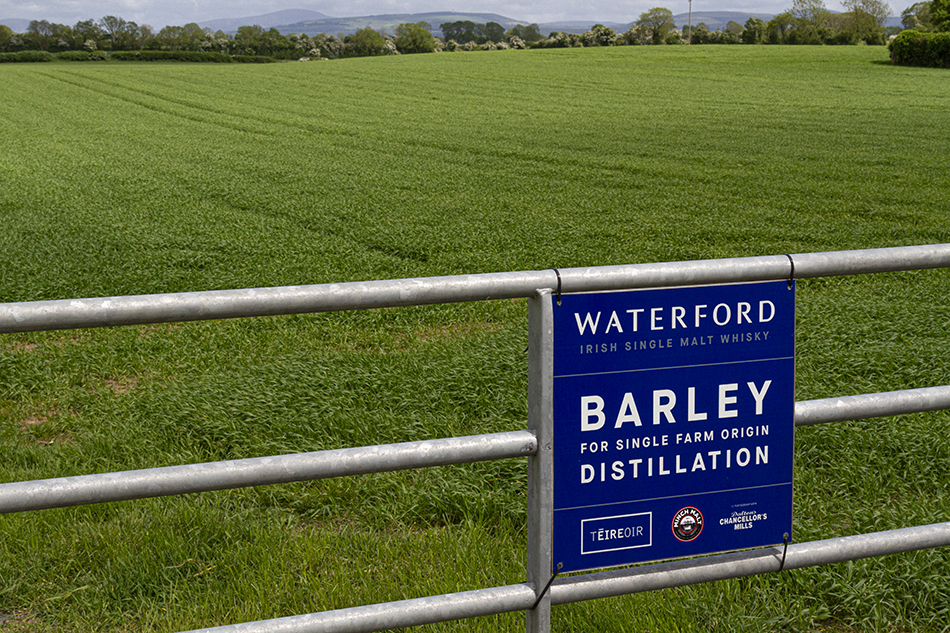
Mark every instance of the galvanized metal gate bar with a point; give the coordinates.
(45, 494)
(872, 405)
(225, 304)
(394, 615)
(540, 494)
(739, 564)
(601, 585)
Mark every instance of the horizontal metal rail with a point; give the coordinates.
(740, 564)
(394, 615)
(872, 405)
(45, 494)
(224, 304)
(380, 617)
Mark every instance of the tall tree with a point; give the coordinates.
(865, 19)
(754, 31)
(112, 26)
(494, 32)
(917, 17)
(414, 38)
(659, 21)
(877, 10)
(85, 31)
(812, 20)
(530, 33)
(39, 35)
(366, 42)
(6, 34)
(463, 31)
(778, 28)
(940, 14)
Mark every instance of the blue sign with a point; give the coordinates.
(673, 422)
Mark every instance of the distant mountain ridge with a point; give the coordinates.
(388, 22)
(319, 23)
(305, 21)
(717, 20)
(16, 25)
(267, 21)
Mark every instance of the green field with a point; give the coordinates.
(132, 179)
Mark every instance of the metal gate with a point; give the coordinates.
(538, 592)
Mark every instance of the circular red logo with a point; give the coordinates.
(687, 524)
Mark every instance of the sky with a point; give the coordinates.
(159, 13)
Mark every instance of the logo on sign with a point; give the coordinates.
(687, 524)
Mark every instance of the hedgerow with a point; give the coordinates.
(169, 56)
(914, 48)
(252, 59)
(26, 56)
(81, 56)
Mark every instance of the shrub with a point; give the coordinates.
(847, 38)
(74, 56)
(913, 48)
(599, 35)
(414, 38)
(562, 40)
(26, 56)
(253, 59)
(366, 42)
(169, 56)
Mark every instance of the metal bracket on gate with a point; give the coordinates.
(547, 586)
(784, 553)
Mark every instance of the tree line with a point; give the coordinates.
(805, 22)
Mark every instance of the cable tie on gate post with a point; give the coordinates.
(547, 586)
(791, 274)
(557, 293)
(784, 552)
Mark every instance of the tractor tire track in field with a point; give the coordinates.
(191, 111)
(121, 93)
(341, 137)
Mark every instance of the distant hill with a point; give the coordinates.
(389, 22)
(268, 20)
(712, 19)
(304, 21)
(578, 26)
(16, 25)
(717, 20)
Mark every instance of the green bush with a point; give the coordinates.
(26, 56)
(845, 38)
(252, 59)
(75, 56)
(913, 48)
(169, 56)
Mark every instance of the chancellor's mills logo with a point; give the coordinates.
(687, 524)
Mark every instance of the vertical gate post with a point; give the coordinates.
(541, 465)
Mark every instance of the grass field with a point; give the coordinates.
(131, 179)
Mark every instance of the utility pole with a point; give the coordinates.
(689, 39)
